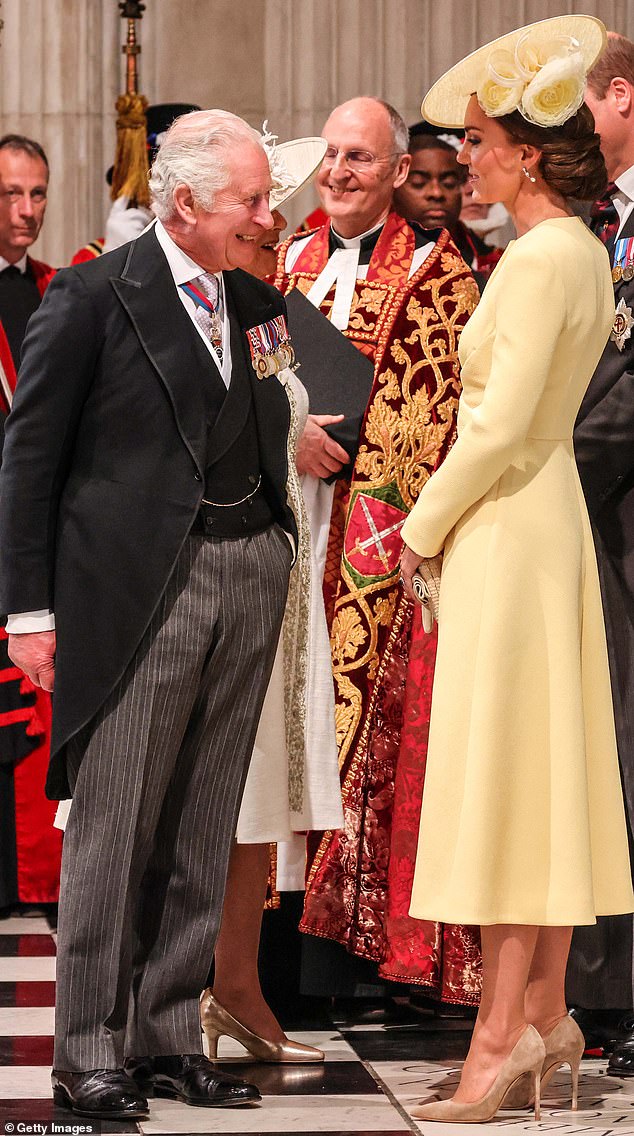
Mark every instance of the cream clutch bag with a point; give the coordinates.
(426, 585)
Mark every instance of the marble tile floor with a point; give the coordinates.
(372, 1075)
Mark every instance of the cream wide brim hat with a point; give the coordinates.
(446, 103)
(302, 158)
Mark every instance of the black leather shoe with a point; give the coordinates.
(105, 1094)
(621, 1063)
(602, 1029)
(192, 1079)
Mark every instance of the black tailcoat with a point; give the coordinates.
(600, 969)
(604, 448)
(104, 461)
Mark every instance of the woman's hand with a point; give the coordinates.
(409, 563)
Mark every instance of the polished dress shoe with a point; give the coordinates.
(621, 1063)
(602, 1029)
(192, 1079)
(105, 1094)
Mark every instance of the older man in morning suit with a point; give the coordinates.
(143, 513)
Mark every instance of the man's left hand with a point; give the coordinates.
(409, 563)
(34, 653)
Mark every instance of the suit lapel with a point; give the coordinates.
(147, 291)
(251, 310)
(235, 408)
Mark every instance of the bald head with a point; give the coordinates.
(366, 160)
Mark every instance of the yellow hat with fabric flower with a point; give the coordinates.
(539, 70)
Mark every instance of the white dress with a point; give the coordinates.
(271, 810)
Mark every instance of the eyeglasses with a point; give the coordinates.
(355, 159)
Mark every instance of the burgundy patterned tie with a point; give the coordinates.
(604, 219)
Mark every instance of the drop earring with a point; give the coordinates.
(528, 175)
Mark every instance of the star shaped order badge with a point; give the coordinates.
(623, 324)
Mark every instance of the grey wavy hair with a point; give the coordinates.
(193, 152)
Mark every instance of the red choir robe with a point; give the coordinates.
(30, 848)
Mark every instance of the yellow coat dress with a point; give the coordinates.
(522, 818)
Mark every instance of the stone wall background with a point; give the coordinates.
(289, 61)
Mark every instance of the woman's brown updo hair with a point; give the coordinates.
(571, 161)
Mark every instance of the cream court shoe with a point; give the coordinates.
(218, 1022)
(564, 1046)
(526, 1059)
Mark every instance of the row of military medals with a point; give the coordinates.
(623, 270)
(623, 260)
(271, 347)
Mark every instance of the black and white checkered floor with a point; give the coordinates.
(371, 1077)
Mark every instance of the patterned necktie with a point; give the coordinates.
(604, 218)
(205, 292)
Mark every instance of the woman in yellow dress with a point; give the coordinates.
(522, 827)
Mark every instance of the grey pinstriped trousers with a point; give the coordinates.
(155, 805)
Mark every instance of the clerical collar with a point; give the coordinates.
(365, 242)
(19, 264)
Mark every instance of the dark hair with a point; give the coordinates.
(571, 161)
(617, 61)
(23, 144)
(418, 142)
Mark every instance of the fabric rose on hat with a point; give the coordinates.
(556, 91)
(501, 89)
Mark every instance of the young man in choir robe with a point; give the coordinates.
(432, 195)
(401, 295)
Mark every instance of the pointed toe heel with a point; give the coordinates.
(525, 1060)
(218, 1022)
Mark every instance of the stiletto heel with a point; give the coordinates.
(212, 1036)
(574, 1074)
(218, 1022)
(564, 1046)
(526, 1058)
(537, 1092)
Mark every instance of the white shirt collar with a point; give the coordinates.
(19, 264)
(625, 183)
(182, 267)
(355, 242)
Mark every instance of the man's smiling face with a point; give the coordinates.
(225, 237)
(361, 170)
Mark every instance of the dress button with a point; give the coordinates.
(244, 520)
(252, 479)
(209, 521)
(197, 476)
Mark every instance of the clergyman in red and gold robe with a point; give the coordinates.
(408, 301)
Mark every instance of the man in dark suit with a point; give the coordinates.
(143, 510)
(600, 975)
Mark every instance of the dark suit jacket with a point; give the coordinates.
(604, 448)
(104, 462)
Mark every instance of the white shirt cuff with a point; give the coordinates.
(26, 622)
